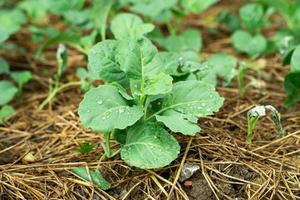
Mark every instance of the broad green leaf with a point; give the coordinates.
(5, 112)
(9, 91)
(104, 109)
(92, 176)
(222, 65)
(179, 122)
(189, 40)
(127, 25)
(246, 43)
(21, 77)
(4, 67)
(103, 65)
(9, 26)
(191, 99)
(140, 61)
(292, 88)
(196, 6)
(295, 60)
(149, 146)
(99, 14)
(252, 16)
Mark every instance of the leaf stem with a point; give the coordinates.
(58, 88)
(107, 145)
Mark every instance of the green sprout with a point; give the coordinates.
(256, 113)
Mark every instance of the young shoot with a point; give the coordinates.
(57, 86)
(256, 113)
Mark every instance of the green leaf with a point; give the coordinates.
(140, 61)
(189, 100)
(99, 14)
(94, 177)
(292, 88)
(6, 112)
(85, 147)
(181, 63)
(252, 45)
(127, 25)
(4, 67)
(9, 26)
(9, 90)
(189, 40)
(179, 122)
(222, 65)
(21, 77)
(196, 6)
(295, 60)
(149, 146)
(252, 15)
(103, 65)
(104, 109)
(231, 21)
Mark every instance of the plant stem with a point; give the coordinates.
(251, 125)
(58, 88)
(107, 145)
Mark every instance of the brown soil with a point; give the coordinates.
(230, 169)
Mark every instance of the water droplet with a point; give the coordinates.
(203, 104)
(100, 102)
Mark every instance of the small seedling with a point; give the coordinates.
(256, 113)
(57, 86)
(250, 41)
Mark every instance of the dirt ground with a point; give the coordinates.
(229, 169)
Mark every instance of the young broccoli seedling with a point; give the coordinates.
(256, 113)
(57, 86)
(141, 101)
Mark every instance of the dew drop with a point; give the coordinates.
(100, 102)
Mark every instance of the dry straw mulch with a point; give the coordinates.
(268, 169)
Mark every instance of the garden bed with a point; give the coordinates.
(37, 147)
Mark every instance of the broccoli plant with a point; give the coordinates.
(141, 101)
(256, 113)
(250, 40)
